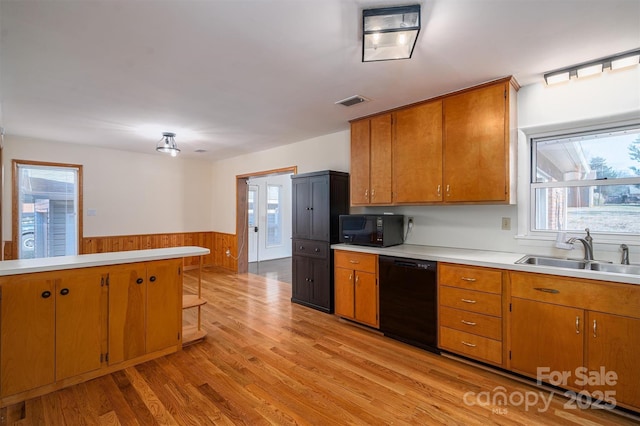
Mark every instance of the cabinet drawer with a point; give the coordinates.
(471, 345)
(311, 248)
(469, 300)
(357, 261)
(471, 322)
(473, 278)
(615, 298)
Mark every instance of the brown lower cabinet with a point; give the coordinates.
(470, 312)
(63, 327)
(356, 287)
(588, 331)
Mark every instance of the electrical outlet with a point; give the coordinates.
(506, 223)
(228, 253)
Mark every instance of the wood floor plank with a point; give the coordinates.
(266, 361)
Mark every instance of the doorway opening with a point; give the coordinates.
(263, 216)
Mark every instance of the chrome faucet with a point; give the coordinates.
(587, 242)
(625, 254)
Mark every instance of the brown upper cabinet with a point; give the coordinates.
(417, 154)
(453, 149)
(477, 144)
(371, 161)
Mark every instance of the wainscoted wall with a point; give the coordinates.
(218, 243)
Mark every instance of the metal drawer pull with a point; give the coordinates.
(354, 261)
(468, 322)
(595, 328)
(471, 280)
(468, 301)
(471, 345)
(577, 325)
(547, 290)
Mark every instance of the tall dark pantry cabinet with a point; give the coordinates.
(319, 198)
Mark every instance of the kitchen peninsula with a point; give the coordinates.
(65, 320)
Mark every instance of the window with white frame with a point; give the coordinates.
(587, 180)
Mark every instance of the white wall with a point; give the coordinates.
(132, 193)
(329, 152)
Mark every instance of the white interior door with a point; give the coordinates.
(253, 207)
(273, 217)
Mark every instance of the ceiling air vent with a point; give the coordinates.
(352, 100)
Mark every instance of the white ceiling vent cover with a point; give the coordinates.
(352, 100)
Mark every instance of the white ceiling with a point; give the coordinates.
(236, 76)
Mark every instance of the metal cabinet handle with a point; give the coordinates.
(547, 290)
(64, 291)
(46, 294)
(448, 191)
(301, 247)
(577, 325)
(139, 281)
(366, 194)
(471, 345)
(152, 278)
(438, 190)
(317, 250)
(595, 328)
(373, 194)
(354, 261)
(468, 301)
(471, 280)
(468, 322)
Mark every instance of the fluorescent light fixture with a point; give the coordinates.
(560, 77)
(624, 62)
(585, 69)
(589, 70)
(389, 33)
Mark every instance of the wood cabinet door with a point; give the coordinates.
(319, 213)
(300, 286)
(344, 292)
(27, 321)
(301, 202)
(81, 319)
(360, 161)
(366, 297)
(127, 298)
(417, 154)
(476, 145)
(320, 283)
(380, 167)
(613, 343)
(546, 336)
(164, 304)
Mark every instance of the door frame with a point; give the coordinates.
(242, 237)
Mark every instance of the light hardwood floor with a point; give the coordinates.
(268, 361)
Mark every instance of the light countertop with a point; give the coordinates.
(26, 266)
(486, 258)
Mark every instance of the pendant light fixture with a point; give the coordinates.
(168, 144)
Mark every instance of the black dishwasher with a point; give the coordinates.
(408, 301)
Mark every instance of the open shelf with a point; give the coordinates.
(193, 333)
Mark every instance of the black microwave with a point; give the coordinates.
(371, 230)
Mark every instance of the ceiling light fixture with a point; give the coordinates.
(389, 33)
(615, 62)
(168, 144)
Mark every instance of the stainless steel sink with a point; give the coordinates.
(553, 261)
(615, 267)
(580, 264)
